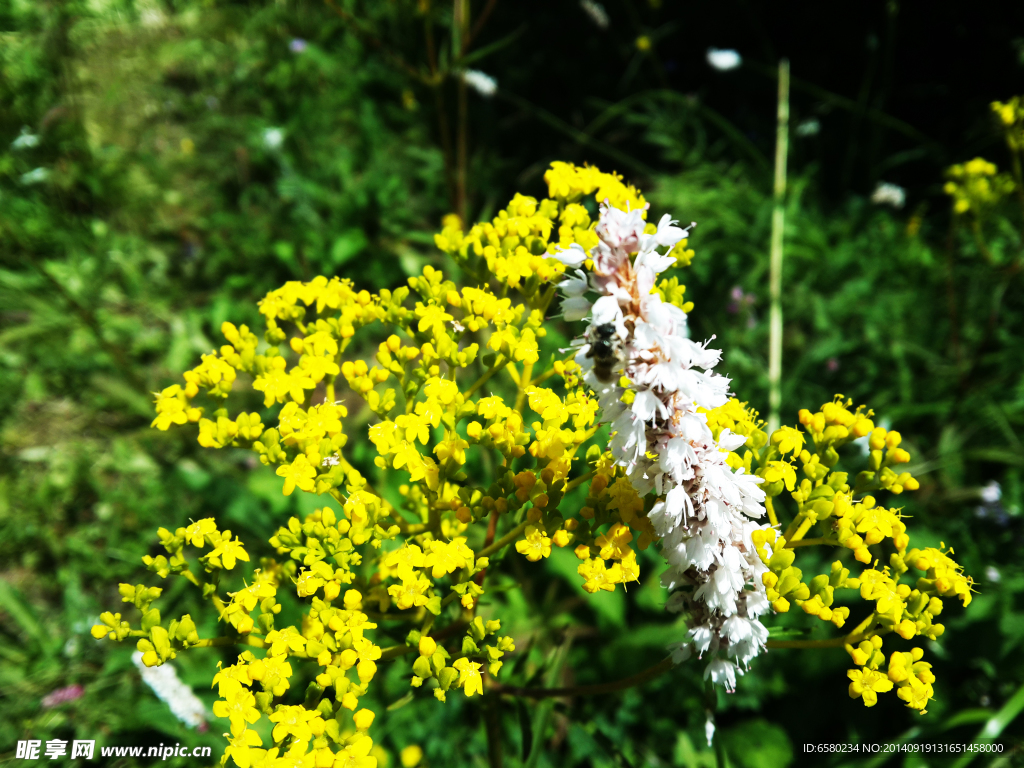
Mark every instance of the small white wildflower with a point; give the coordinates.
(809, 127)
(482, 83)
(724, 59)
(991, 493)
(330, 461)
(26, 140)
(709, 727)
(992, 574)
(889, 194)
(273, 138)
(169, 688)
(596, 12)
(457, 326)
(36, 176)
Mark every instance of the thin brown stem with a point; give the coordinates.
(478, 25)
(492, 529)
(834, 642)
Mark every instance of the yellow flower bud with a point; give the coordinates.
(363, 719)
(411, 756)
(427, 646)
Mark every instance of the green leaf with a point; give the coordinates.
(14, 604)
(758, 744)
(434, 605)
(347, 246)
(487, 50)
(525, 728)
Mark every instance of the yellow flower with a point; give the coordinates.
(614, 545)
(226, 553)
(788, 440)
(296, 721)
(780, 470)
(356, 755)
(469, 676)
(299, 473)
(597, 576)
(411, 592)
(444, 558)
(238, 706)
(363, 719)
(867, 684)
(240, 748)
(171, 408)
(411, 756)
(195, 534)
(535, 546)
(284, 641)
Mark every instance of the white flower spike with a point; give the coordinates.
(707, 512)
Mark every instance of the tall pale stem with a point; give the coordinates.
(778, 224)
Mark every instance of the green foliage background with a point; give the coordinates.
(191, 155)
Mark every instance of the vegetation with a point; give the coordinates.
(165, 165)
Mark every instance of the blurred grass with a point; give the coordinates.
(195, 155)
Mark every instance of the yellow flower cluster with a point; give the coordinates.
(1011, 116)
(485, 430)
(976, 186)
(847, 516)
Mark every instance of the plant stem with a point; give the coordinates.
(579, 480)
(220, 642)
(508, 538)
(711, 706)
(778, 224)
(461, 32)
(832, 642)
(395, 651)
(492, 725)
(588, 690)
(823, 540)
(498, 365)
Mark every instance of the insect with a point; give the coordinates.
(605, 350)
